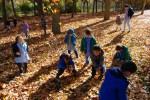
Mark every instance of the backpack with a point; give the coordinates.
(126, 53)
(118, 20)
(130, 12)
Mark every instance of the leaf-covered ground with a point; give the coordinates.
(38, 83)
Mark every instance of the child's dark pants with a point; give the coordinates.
(22, 67)
(94, 69)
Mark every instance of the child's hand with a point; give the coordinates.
(18, 53)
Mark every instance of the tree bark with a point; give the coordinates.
(74, 8)
(107, 9)
(4, 13)
(144, 4)
(13, 7)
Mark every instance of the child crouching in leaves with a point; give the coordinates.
(97, 58)
(70, 40)
(122, 55)
(65, 61)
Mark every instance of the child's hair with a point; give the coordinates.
(66, 56)
(98, 48)
(88, 31)
(129, 66)
(17, 38)
(119, 47)
(126, 5)
(70, 31)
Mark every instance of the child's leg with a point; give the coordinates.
(93, 71)
(87, 57)
(128, 23)
(60, 72)
(76, 52)
(25, 67)
(20, 67)
(69, 51)
(124, 27)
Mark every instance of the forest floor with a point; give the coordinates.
(38, 82)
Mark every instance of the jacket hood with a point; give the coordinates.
(116, 72)
(71, 30)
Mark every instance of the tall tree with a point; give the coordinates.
(107, 9)
(144, 4)
(85, 3)
(56, 17)
(95, 6)
(13, 7)
(73, 7)
(4, 13)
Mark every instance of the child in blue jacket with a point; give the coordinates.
(64, 62)
(115, 84)
(87, 44)
(70, 40)
(97, 58)
(20, 51)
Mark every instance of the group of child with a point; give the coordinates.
(122, 66)
(115, 82)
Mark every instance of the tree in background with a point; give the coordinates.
(85, 3)
(56, 17)
(4, 13)
(107, 9)
(13, 7)
(95, 6)
(74, 5)
(144, 4)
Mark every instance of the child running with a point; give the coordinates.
(87, 43)
(70, 40)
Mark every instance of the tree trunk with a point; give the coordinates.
(34, 8)
(4, 13)
(13, 7)
(107, 9)
(74, 8)
(144, 4)
(85, 2)
(56, 19)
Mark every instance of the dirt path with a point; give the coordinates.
(38, 83)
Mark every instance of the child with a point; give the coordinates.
(25, 29)
(97, 61)
(70, 40)
(118, 22)
(20, 51)
(122, 55)
(65, 61)
(87, 43)
(115, 84)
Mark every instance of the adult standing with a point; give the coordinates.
(127, 17)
